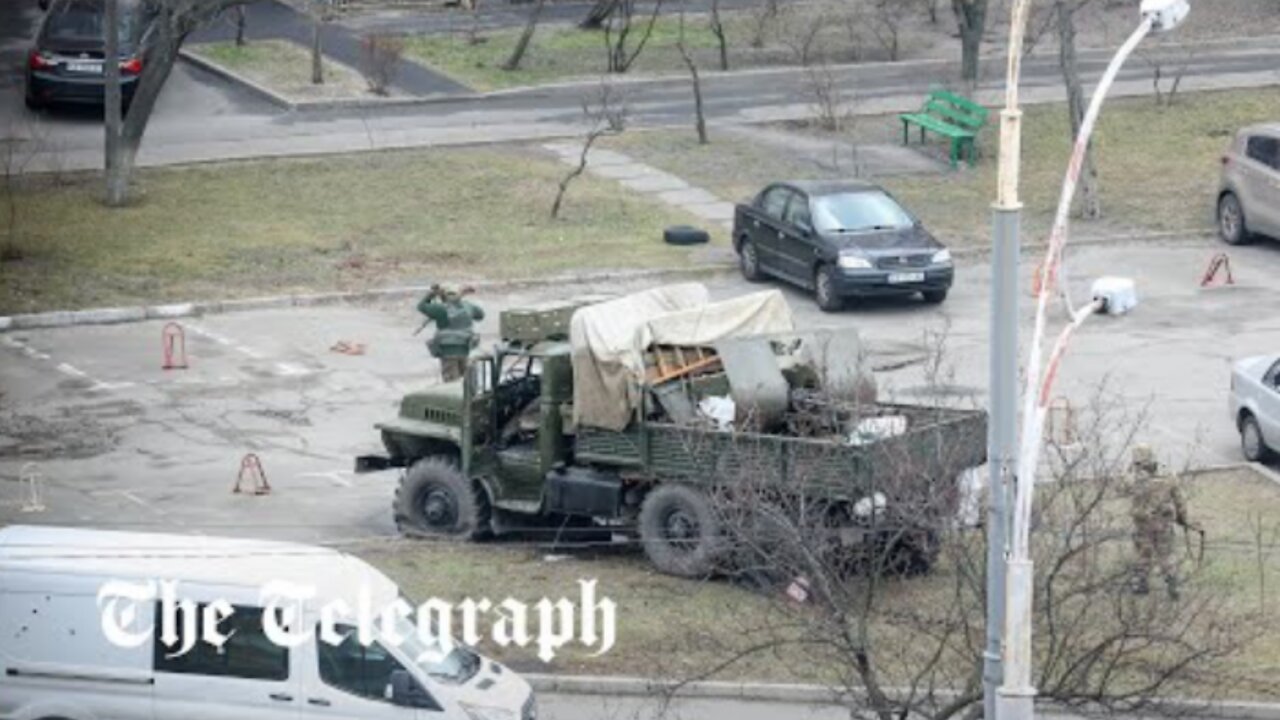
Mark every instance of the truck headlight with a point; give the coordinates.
(941, 257)
(853, 262)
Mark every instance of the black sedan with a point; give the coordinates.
(66, 64)
(842, 240)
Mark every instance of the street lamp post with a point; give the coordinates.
(1017, 694)
(1006, 220)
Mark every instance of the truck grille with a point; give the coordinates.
(895, 262)
(443, 417)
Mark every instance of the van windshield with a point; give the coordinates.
(459, 666)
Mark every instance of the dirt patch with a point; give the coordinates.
(70, 433)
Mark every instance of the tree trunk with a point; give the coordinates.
(317, 56)
(117, 190)
(1090, 203)
(700, 117)
(522, 45)
(157, 64)
(717, 28)
(240, 25)
(971, 18)
(599, 12)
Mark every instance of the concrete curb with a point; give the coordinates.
(583, 82)
(108, 316)
(290, 105)
(232, 76)
(819, 695)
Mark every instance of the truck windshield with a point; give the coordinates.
(859, 212)
(459, 666)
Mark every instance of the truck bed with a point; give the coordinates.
(938, 445)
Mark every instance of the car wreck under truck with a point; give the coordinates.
(645, 415)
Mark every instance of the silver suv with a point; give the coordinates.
(1249, 196)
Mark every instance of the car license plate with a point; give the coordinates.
(905, 277)
(94, 68)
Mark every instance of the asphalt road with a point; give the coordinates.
(204, 118)
(119, 442)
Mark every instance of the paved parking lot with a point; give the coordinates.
(119, 442)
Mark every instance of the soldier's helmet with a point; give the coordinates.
(452, 294)
(1143, 458)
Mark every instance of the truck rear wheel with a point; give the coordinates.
(680, 531)
(435, 500)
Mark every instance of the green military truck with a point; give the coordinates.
(511, 445)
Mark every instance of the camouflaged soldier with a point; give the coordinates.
(455, 334)
(1157, 506)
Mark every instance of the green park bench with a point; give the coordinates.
(951, 116)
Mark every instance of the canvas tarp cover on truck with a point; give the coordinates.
(609, 341)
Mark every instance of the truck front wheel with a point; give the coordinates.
(435, 500)
(680, 531)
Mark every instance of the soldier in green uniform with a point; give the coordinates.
(1158, 505)
(455, 334)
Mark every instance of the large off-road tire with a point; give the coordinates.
(749, 261)
(435, 500)
(824, 289)
(1231, 221)
(1252, 444)
(681, 532)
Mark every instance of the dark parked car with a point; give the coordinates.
(842, 240)
(65, 66)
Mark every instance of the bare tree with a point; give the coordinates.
(800, 30)
(1168, 64)
(600, 11)
(885, 20)
(896, 646)
(607, 116)
(830, 102)
(522, 44)
(971, 19)
(764, 16)
(722, 38)
(117, 188)
(700, 118)
(380, 57)
(17, 150)
(319, 10)
(240, 22)
(174, 21)
(618, 28)
(1090, 200)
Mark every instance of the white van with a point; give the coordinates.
(57, 662)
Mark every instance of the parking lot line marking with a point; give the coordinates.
(336, 477)
(291, 369)
(71, 370)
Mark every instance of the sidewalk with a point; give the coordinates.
(273, 20)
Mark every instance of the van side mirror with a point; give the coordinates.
(405, 691)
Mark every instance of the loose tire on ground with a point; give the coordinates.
(680, 531)
(435, 500)
(1252, 444)
(685, 235)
